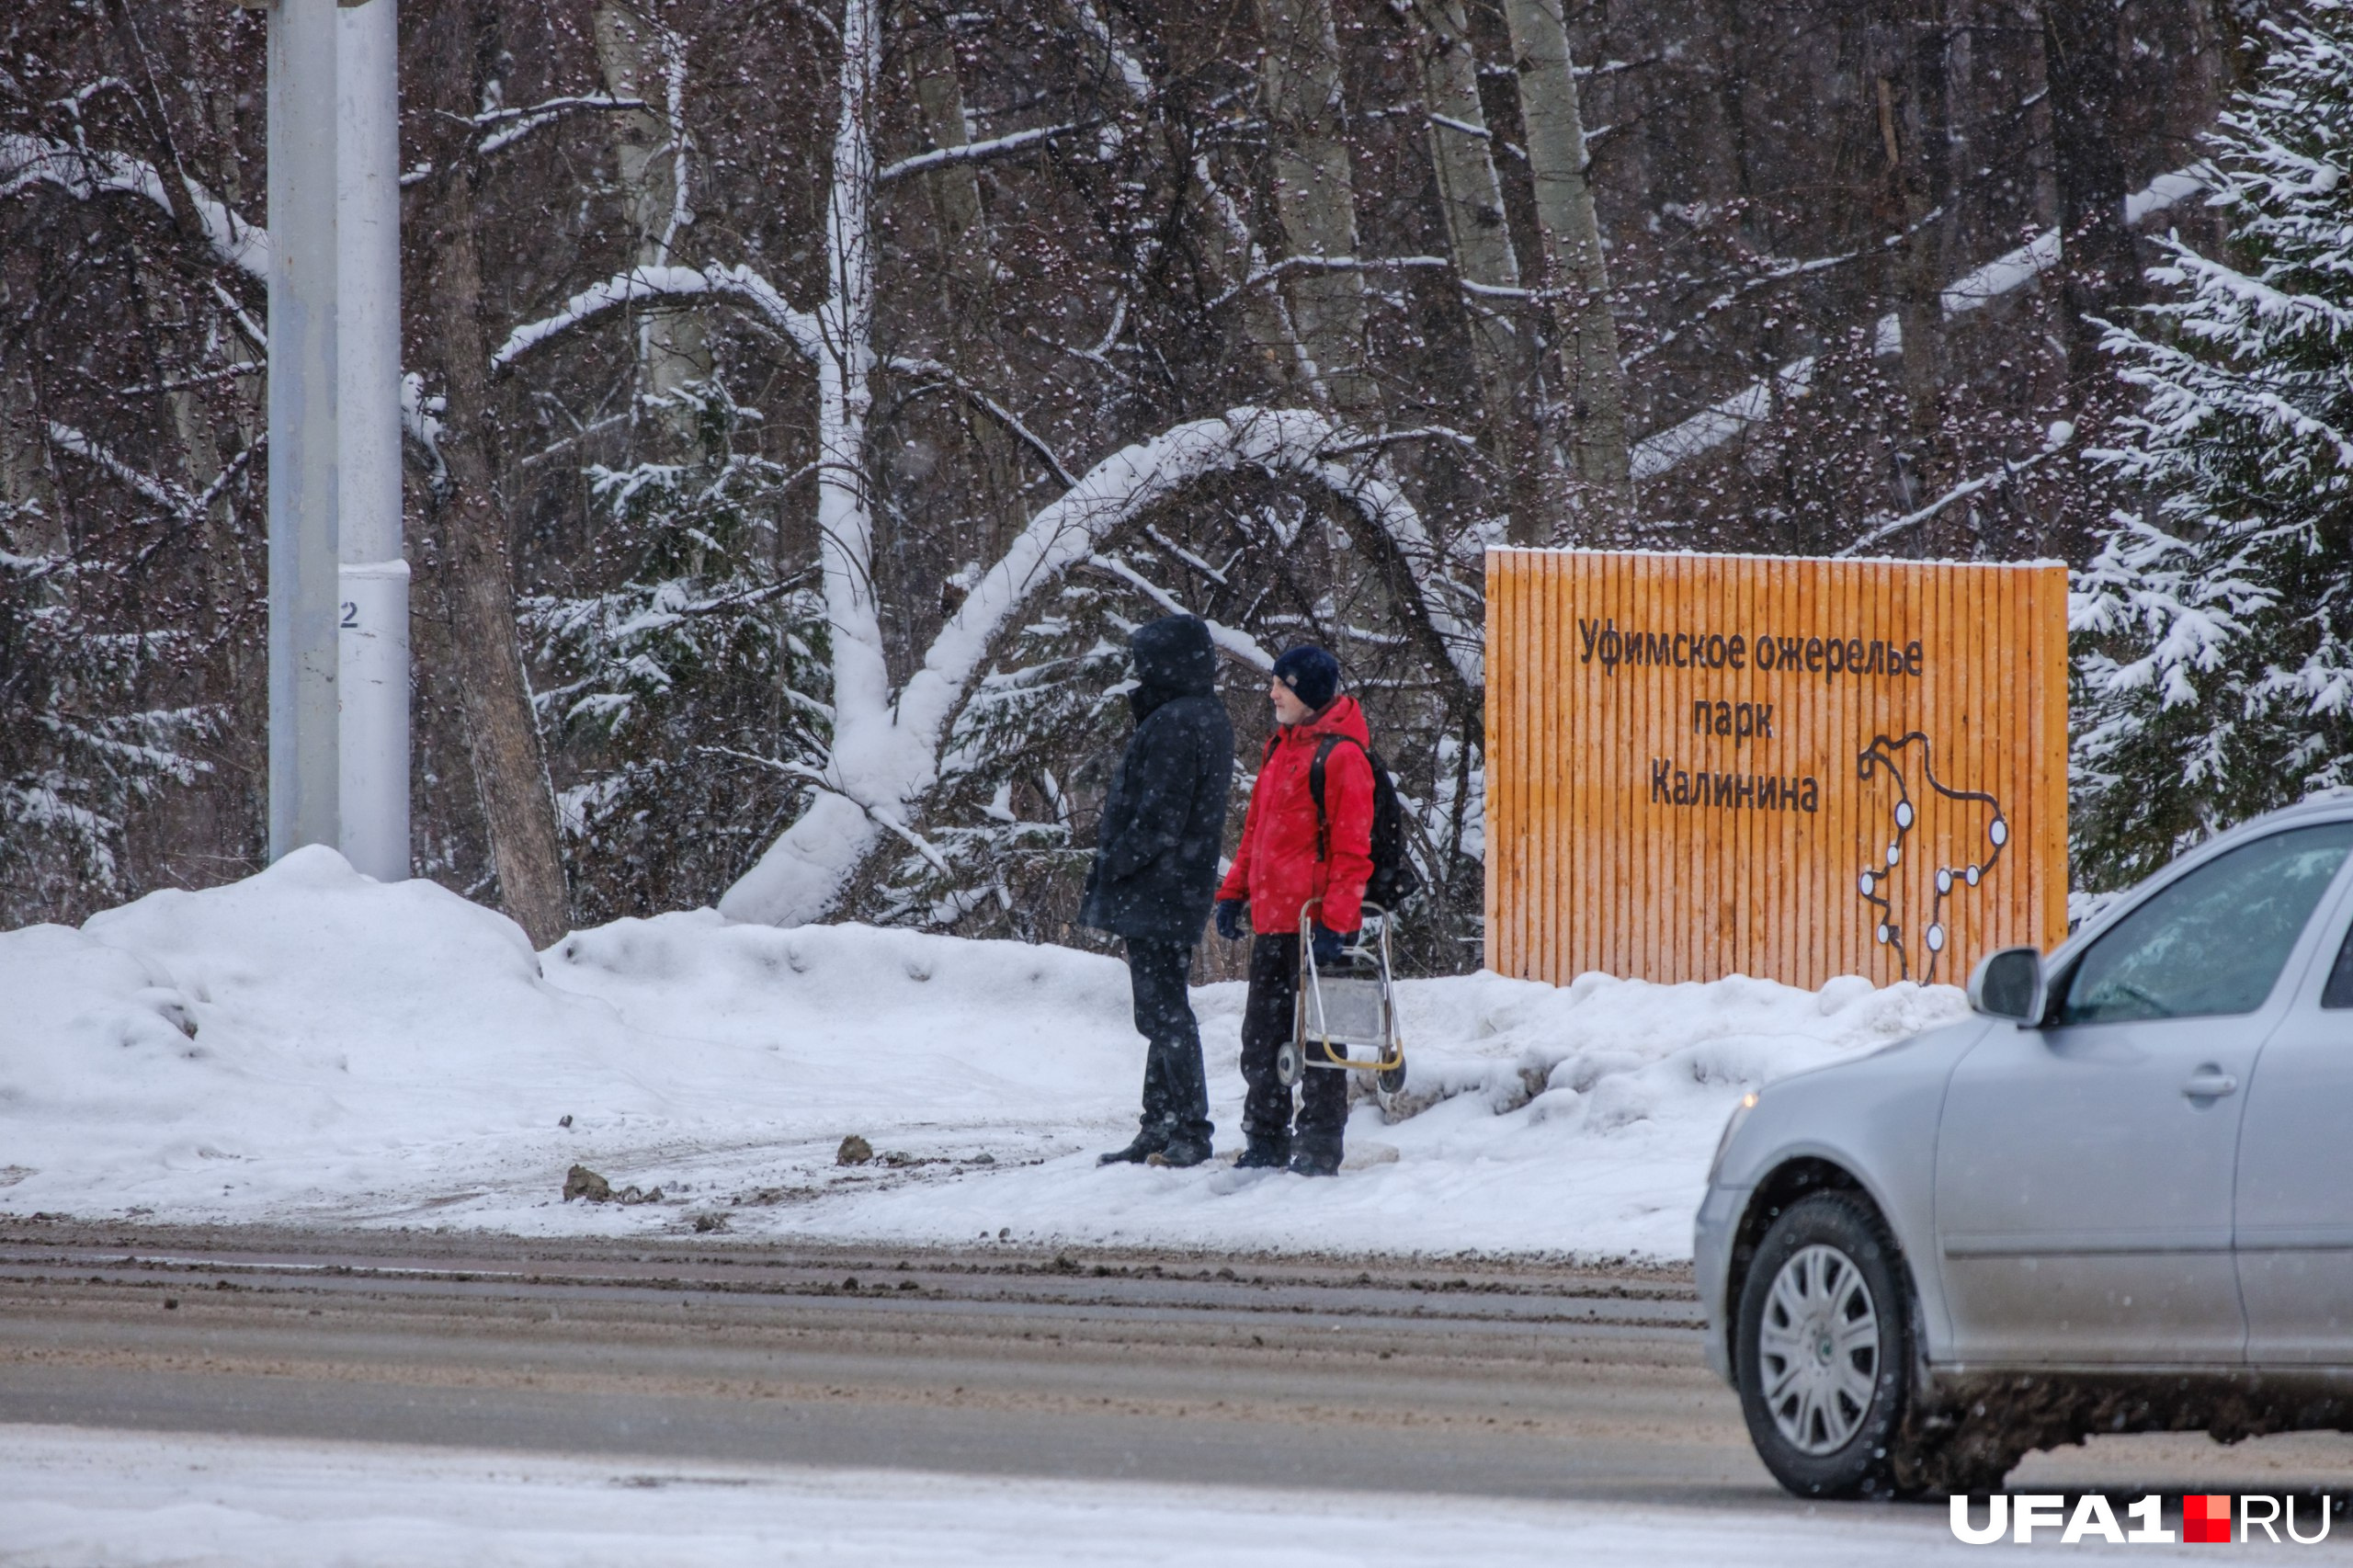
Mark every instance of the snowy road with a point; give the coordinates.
(1498, 1382)
(194, 1396)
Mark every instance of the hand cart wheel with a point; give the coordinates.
(1291, 1063)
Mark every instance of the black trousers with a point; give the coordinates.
(1175, 1090)
(1266, 1021)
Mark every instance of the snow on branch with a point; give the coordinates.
(1231, 640)
(1780, 272)
(2006, 274)
(508, 126)
(146, 486)
(1291, 264)
(1392, 437)
(1462, 126)
(1720, 422)
(86, 174)
(1125, 70)
(1296, 443)
(2060, 434)
(644, 285)
(886, 754)
(973, 151)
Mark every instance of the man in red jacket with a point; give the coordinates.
(1290, 859)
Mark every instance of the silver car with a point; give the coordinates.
(2119, 1199)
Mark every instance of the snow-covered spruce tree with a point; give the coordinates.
(80, 745)
(2213, 671)
(683, 676)
(1024, 768)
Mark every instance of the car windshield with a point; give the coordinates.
(2215, 941)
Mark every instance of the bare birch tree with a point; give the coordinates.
(1576, 268)
(1315, 199)
(643, 64)
(1503, 335)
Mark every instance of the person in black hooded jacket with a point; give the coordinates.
(1156, 872)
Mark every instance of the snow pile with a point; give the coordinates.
(310, 1045)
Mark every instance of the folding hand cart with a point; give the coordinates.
(1346, 1015)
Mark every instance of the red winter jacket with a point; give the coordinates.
(1276, 868)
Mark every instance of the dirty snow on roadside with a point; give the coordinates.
(308, 1045)
(126, 1500)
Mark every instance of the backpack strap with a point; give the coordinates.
(1323, 747)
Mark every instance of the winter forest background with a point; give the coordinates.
(806, 396)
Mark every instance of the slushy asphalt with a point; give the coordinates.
(1500, 1380)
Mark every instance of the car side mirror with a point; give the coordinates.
(2008, 984)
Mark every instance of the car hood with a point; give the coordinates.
(1825, 1110)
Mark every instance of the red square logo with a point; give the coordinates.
(2206, 1516)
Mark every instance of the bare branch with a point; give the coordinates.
(518, 123)
(84, 175)
(973, 151)
(995, 410)
(642, 285)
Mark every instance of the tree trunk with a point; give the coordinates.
(1913, 86)
(638, 62)
(1577, 271)
(955, 188)
(502, 733)
(1315, 199)
(1230, 252)
(2084, 76)
(1501, 339)
(967, 272)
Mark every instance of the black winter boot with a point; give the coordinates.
(1146, 1145)
(1265, 1154)
(1315, 1160)
(1181, 1153)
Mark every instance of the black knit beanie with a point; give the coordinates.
(1310, 672)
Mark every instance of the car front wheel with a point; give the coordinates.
(1825, 1347)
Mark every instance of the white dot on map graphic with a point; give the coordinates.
(1868, 881)
(1999, 833)
(1944, 878)
(1903, 813)
(1936, 938)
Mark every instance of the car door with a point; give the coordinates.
(2295, 1186)
(2085, 1168)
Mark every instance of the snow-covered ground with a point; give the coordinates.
(309, 1045)
(124, 1500)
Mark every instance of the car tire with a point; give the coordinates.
(1823, 1348)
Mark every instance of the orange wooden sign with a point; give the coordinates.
(1709, 764)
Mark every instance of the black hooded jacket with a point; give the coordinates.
(1155, 857)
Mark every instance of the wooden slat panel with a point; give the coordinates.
(1499, 867)
(1592, 864)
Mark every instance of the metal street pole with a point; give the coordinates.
(303, 722)
(374, 575)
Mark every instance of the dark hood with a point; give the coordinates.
(1174, 657)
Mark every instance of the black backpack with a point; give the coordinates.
(1394, 879)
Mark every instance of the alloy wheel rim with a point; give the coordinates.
(1817, 1349)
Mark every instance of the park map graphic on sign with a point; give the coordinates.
(1881, 886)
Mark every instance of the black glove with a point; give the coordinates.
(1229, 917)
(1326, 944)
